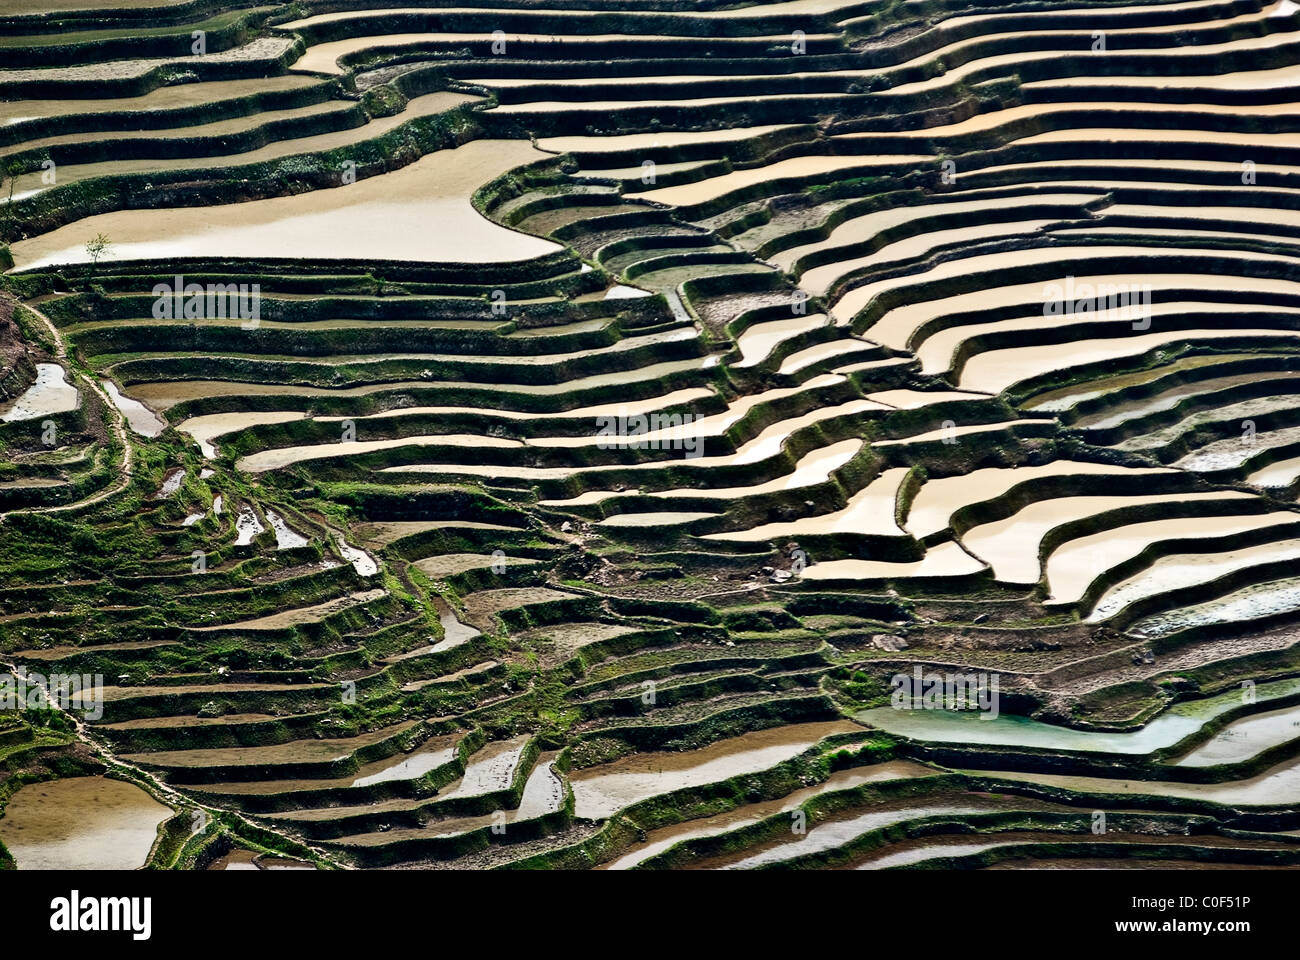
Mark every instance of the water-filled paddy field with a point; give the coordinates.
(616, 400)
(83, 823)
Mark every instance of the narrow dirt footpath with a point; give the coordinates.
(161, 790)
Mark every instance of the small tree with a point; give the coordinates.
(96, 248)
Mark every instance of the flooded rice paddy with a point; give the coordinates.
(600, 792)
(420, 212)
(50, 394)
(82, 823)
(904, 447)
(1166, 730)
(140, 418)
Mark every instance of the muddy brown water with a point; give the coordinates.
(216, 128)
(1280, 785)
(161, 395)
(51, 393)
(1173, 135)
(138, 417)
(1010, 546)
(813, 468)
(1280, 474)
(295, 751)
(299, 615)
(947, 559)
(997, 118)
(759, 340)
(714, 424)
(767, 444)
(1066, 398)
(908, 399)
(638, 172)
(21, 7)
(646, 141)
(819, 352)
(870, 510)
(209, 427)
(482, 605)
(1074, 565)
(1263, 79)
(82, 823)
(491, 768)
(897, 327)
(950, 433)
(830, 834)
(1108, 863)
(324, 57)
(920, 851)
(317, 143)
(662, 85)
(632, 408)
(543, 793)
(938, 499)
(657, 841)
(1245, 738)
(240, 859)
(262, 49)
(236, 860)
(419, 212)
(662, 519)
(937, 350)
(278, 457)
(604, 107)
(1188, 569)
(1017, 61)
(164, 98)
(861, 229)
(599, 792)
(688, 194)
(915, 247)
(448, 564)
(400, 766)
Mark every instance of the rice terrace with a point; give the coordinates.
(649, 434)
